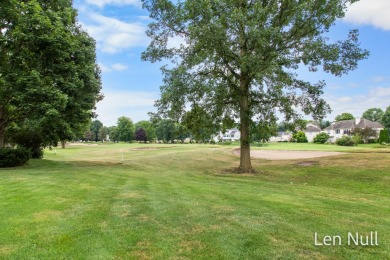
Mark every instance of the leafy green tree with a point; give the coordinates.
(239, 56)
(344, 116)
(373, 114)
(324, 124)
(365, 134)
(125, 129)
(321, 138)
(386, 118)
(48, 70)
(149, 129)
(113, 132)
(95, 127)
(263, 131)
(103, 132)
(166, 130)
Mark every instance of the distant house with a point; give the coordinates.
(345, 127)
(229, 135)
(281, 137)
(311, 131)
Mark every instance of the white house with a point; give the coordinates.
(230, 135)
(311, 131)
(281, 137)
(341, 128)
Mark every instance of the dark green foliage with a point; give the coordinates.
(386, 118)
(299, 137)
(48, 70)
(14, 157)
(199, 123)
(345, 141)
(95, 127)
(321, 138)
(344, 116)
(384, 136)
(31, 139)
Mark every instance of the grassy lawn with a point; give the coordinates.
(181, 202)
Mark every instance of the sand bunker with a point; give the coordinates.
(151, 148)
(286, 155)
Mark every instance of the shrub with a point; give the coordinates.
(321, 138)
(357, 139)
(384, 137)
(299, 137)
(14, 157)
(345, 141)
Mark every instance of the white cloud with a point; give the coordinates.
(379, 79)
(102, 3)
(370, 12)
(133, 104)
(113, 35)
(377, 97)
(113, 67)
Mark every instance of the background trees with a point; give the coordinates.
(344, 116)
(373, 114)
(125, 129)
(238, 58)
(149, 129)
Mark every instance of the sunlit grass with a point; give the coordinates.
(180, 202)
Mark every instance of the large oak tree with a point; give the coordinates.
(238, 57)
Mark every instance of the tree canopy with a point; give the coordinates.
(344, 116)
(386, 118)
(373, 114)
(238, 58)
(48, 70)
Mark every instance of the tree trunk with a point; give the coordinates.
(245, 158)
(2, 136)
(63, 143)
(2, 128)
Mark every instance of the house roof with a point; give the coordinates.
(350, 124)
(367, 123)
(312, 128)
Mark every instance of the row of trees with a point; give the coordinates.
(49, 78)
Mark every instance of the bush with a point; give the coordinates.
(14, 157)
(321, 138)
(345, 141)
(299, 137)
(384, 137)
(357, 139)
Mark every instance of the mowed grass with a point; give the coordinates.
(182, 202)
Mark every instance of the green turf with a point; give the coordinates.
(181, 202)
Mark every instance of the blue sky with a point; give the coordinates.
(131, 86)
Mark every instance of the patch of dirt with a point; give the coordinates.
(151, 148)
(286, 155)
(307, 163)
(80, 144)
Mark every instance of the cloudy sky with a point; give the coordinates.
(131, 86)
